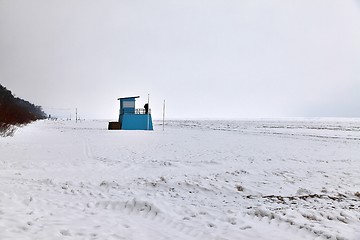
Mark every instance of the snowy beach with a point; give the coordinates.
(263, 179)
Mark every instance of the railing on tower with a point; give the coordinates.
(142, 111)
(137, 111)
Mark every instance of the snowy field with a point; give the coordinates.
(295, 179)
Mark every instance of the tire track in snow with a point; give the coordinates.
(149, 211)
(88, 153)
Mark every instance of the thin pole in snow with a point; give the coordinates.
(148, 116)
(164, 116)
(76, 115)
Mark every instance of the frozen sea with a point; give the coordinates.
(244, 179)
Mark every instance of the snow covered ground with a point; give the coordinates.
(269, 179)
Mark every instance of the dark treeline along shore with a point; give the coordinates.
(15, 111)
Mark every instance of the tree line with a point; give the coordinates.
(16, 111)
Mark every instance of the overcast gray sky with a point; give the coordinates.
(207, 58)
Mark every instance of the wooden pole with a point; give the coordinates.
(164, 116)
(148, 116)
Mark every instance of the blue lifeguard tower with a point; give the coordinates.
(131, 118)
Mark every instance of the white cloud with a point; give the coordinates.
(260, 58)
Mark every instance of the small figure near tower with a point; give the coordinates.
(146, 107)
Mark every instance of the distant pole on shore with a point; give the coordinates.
(76, 115)
(164, 116)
